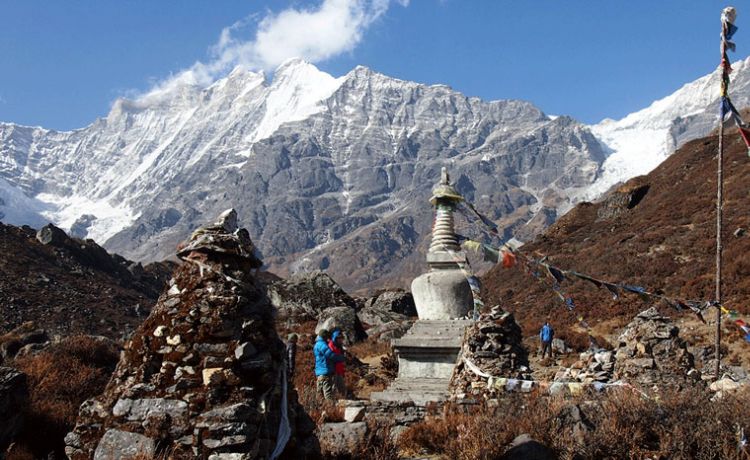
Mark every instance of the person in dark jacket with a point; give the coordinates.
(291, 355)
(325, 360)
(546, 335)
(336, 344)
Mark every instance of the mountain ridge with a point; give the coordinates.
(319, 165)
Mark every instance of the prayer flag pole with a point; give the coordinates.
(728, 16)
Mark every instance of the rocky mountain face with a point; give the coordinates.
(317, 165)
(330, 173)
(72, 286)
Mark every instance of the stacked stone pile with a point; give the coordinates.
(592, 366)
(493, 345)
(203, 375)
(651, 352)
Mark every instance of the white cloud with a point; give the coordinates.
(314, 34)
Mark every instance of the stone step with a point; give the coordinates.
(420, 391)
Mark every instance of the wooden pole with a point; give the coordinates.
(727, 16)
(719, 206)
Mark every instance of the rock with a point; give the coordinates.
(651, 352)
(725, 384)
(123, 445)
(560, 347)
(304, 296)
(494, 344)
(343, 318)
(397, 301)
(51, 235)
(26, 334)
(389, 331)
(524, 447)
(212, 375)
(354, 414)
(142, 409)
(342, 438)
(14, 397)
(245, 351)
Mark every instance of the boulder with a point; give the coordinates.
(725, 384)
(49, 234)
(13, 398)
(343, 318)
(342, 438)
(303, 296)
(524, 447)
(396, 301)
(389, 331)
(123, 445)
(18, 338)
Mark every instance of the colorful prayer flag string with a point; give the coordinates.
(728, 29)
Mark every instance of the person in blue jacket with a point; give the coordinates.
(546, 335)
(325, 361)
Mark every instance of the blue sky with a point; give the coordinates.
(64, 63)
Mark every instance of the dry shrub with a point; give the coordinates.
(377, 445)
(368, 348)
(621, 424)
(320, 410)
(60, 378)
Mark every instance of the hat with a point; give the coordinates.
(323, 333)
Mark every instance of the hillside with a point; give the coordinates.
(70, 285)
(655, 231)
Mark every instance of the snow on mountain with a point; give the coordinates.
(642, 140)
(328, 172)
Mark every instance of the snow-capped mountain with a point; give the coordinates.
(643, 139)
(325, 172)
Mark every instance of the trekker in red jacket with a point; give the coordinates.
(336, 344)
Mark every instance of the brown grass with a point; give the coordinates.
(60, 378)
(621, 425)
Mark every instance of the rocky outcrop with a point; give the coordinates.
(651, 352)
(493, 346)
(71, 286)
(23, 340)
(625, 197)
(203, 377)
(304, 296)
(388, 314)
(13, 399)
(335, 185)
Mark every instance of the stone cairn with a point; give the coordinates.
(203, 376)
(493, 344)
(592, 366)
(651, 352)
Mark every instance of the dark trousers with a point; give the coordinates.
(547, 348)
